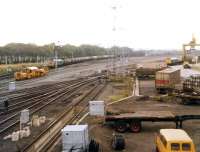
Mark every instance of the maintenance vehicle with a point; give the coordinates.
(30, 72)
(173, 61)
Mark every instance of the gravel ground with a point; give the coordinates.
(51, 114)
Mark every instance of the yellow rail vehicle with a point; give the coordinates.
(30, 72)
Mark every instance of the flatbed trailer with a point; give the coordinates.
(133, 121)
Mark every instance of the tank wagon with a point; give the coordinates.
(68, 61)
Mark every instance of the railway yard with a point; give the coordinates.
(62, 98)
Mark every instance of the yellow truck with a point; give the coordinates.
(174, 140)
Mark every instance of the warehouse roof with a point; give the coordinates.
(175, 135)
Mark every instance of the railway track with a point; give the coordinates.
(5, 76)
(22, 93)
(36, 105)
(52, 134)
(5, 79)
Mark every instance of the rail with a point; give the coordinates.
(45, 140)
(58, 94)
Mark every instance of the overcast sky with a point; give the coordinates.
(149, 24)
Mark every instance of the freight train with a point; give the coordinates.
(68, 61)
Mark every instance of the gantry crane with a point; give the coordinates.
(192, 45)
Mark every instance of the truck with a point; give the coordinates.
(133, 121)
(167, 79)
(169, 140)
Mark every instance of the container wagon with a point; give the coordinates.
(133, 121)
(167, 79)
(191, 90)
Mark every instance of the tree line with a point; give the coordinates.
(19, 52)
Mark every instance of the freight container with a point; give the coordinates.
(167, 79)
(75, 138)
(97, 108)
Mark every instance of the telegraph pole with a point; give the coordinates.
(114, 8)
(56, 59)
(56, 54)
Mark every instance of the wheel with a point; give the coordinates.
(135, 126)
(185, 101)
(155, 149)
(121, 127)
(118, 142)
